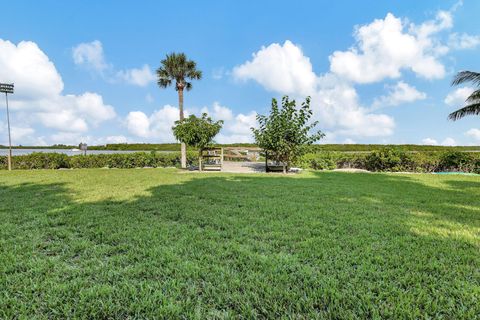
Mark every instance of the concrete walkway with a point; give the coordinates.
(243, 167)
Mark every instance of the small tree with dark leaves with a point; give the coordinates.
(286, 132)
(197, 132)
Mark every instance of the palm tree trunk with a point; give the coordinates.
(183, 147)
(200, 160)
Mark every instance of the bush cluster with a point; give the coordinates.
(394, 160)
(385, 159)
(39, 160)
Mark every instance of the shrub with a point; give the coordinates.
(458, 161)
(387, 159)
(394, 160)
(352, 160)
(122, 161)
(318, 161)
(422, 162)
(39, 160)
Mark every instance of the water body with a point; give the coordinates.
(19, 152)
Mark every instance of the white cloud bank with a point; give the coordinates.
(448, 142)
(430, 142)
(92, 56)
(236, 128)
(286, 70)
(383, 49)
(39, 96)
(158, 125)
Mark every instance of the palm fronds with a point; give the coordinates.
(471, 109)
(466, 76)
(472, 106)
(474, 97)
(176, 67)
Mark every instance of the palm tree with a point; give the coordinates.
(473, 101)
(176, 67)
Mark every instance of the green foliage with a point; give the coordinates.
(387, 159)
(38, 160)
(459, 161)
(197, 132)
(120, 160)
(159, 244)
(394, 160)
(176, 67)
(381, 160)
(422, 162)
(318, 161)
(285, 134)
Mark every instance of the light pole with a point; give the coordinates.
(8, 88)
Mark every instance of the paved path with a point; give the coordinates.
(243, 167)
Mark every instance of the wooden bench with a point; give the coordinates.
(274, 168)
(211, 159)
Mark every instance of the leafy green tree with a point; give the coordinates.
(197, 132)
(177, 68)
(286, 133)
(472, 106)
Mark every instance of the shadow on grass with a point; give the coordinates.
(334, 245)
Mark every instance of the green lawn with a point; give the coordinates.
(161, 243)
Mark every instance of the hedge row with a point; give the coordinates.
(39, 160)
(386, 159)
(394, 160)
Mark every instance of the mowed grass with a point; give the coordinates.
(161, 243)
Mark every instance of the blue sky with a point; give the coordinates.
(377, 71)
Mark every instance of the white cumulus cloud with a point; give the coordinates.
(398, 94)
(473, 133)
(34, 75)
(92, 56)
(429, 141)
(156, 126)
(449, 142)
(281, 68)
(238, 129)
(219, 112)
(39, 97)
(386, 46)
(284, 69)
(139, 77)
(458, 97)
